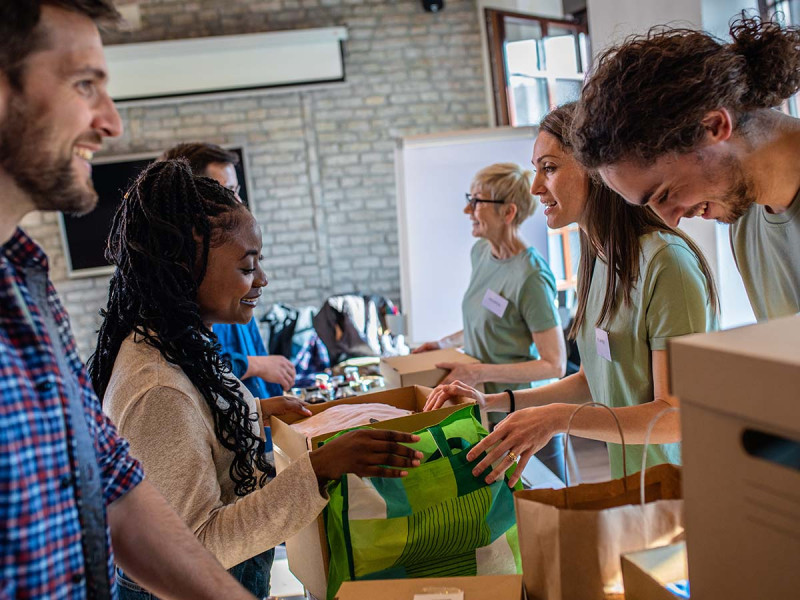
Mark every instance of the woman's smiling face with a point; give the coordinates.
(233, 279)
(560, 182)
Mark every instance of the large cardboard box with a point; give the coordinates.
(482, 587)
(648, 573)
(740, 416)
(420, 369)
(308, 550)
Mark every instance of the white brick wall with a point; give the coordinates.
(321, 161)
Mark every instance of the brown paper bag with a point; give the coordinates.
(571, 539)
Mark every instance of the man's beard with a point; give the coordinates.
(26, 154)
(739, 196)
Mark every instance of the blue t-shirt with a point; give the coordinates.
(238, 342)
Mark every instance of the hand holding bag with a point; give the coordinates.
(571, 539)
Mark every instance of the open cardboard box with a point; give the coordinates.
(740, 422)
(308, 550)
(420, 369)
(647, 573)
(480, 587)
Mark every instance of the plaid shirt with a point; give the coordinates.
(40, 534)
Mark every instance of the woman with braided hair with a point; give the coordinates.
(187, 255)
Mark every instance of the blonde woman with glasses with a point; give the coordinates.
(510, 319)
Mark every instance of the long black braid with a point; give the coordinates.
(159, 242)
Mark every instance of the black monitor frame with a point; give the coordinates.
(88, 234)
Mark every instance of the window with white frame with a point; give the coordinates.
(537, 64)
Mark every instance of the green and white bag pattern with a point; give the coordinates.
(439, 521)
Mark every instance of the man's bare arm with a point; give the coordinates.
(158, 551)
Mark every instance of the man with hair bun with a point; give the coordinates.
(682, 122)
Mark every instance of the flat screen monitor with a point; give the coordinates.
(85, 237)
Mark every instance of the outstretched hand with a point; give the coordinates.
(517, 437)
(450, 392)
(281, 405)
(465, 373)
(366, 453)
(274, 368)
(427, 347)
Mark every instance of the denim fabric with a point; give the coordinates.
(253, 574)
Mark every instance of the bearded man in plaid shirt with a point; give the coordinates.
(68, 486)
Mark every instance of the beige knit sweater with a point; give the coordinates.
(171, 431)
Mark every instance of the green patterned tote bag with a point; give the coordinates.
(439, 521)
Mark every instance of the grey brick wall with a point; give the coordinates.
(321, 161)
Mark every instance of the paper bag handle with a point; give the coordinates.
(652, 424)
(566, 447)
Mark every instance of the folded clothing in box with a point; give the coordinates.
(346, 416)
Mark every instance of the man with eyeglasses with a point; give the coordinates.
(265, 376)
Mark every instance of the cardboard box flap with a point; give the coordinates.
(408, 424)
(750, 372)
(647, 573)
(774, 341)
(411, 398)
(424, 361)
(481, 587)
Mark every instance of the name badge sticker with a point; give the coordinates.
(494, 302)
(603, 345)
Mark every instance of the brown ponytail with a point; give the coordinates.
(649, 95)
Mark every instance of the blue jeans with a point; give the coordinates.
(253, 574)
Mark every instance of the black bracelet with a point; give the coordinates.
(512, 402)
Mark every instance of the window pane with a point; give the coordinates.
(556, 256)
(560, 54)
(583, 44)
(786, 12)
(783, 13)
(529, 102)
(539, 72)
(566, 90)
(524, 58)
(517, 30)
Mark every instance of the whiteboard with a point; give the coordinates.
(433, 172)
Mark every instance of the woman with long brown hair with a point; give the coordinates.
(640, 283)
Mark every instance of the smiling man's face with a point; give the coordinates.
(693, 184)
(51, 127)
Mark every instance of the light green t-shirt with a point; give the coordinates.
(767, 252)
(670, 299)
(526, 282)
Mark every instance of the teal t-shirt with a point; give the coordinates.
(670, 299)
(767, 252)
(526, 282)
